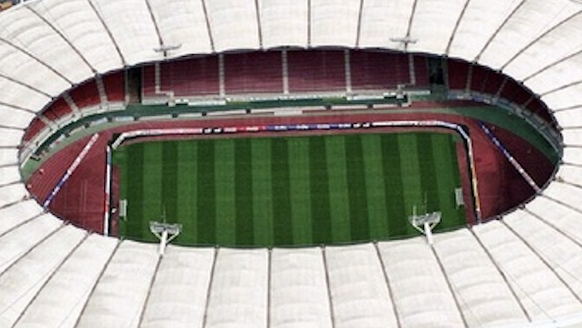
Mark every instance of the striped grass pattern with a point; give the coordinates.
(289, 191)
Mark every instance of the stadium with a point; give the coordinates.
(94, 90)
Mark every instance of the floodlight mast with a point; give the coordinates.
(405, 41)
(427, 221)
(165, 49)
(165, 232)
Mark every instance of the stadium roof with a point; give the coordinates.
(520, 271)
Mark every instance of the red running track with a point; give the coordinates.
(81, 200)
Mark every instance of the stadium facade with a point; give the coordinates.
(519, 271)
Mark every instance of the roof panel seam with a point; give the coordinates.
(30, 250)
(388, 287)
(457, 24)
(210, 283)
(96, 283)
(144, 306)
(259, 25)
(454, 295)
(52, 274)
(62, 36)
(106, 28)
(504, 276)
(208, 25)
(546, 263)
(535, 40)
(27, 53)
(501, 26)
(156, 27)
(328, 287)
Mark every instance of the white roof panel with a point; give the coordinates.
(9, 156)
(563, 254)
(132, 27)
(30, 32)
(12, 193)
(239, 289)
(539, 290)
(479, 22)
(570, 118)
(120, 294)
(178, 297)
(10, 137)
(531, 20)
(15, 214)
(382, 21)
(27, 276)
(29, 71)
(79, 23)
(22, 96)
(570, 174)
(359, 291)
(233, 24)
(61, 300)
(182, 22)
(563, 218)
(424, 297)
(572, 137)
(559, 40)
(561, 75)
(334, 22)
(15, 243)
(564, 193)
(15, 118)
(473, 276)
(572, 155)
(283, 23)
(443, 16)
(299, 293)
(9, 174)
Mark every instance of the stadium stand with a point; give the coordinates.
(316, 71)
(514, 92)
(183, 78)
(250, 73)
(115, 87)
(421, 76)
(86, 95)
(57, 110)
(378, 70)
(458, 74)
(56, 275)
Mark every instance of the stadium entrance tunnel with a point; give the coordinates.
(326, 176)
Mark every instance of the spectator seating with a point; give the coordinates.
(316, 71)
(250, 73)
(378, 70)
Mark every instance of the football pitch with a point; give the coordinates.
(289, 190)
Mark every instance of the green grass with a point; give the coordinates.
(287, 191)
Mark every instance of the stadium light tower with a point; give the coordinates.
(167, 48)
(405, 41)
(425, 223)
(166, 232)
